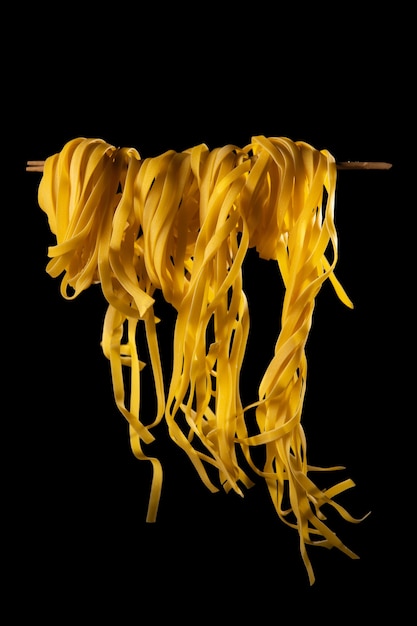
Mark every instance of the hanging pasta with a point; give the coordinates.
(181, 223)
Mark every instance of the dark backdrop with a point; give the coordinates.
(155, 82)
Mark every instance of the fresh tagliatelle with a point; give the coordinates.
(182, 223)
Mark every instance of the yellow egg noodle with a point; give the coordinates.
(182, 223)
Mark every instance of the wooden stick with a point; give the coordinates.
(37, 166)
(363, 165)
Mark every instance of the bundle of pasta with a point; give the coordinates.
(182, 223)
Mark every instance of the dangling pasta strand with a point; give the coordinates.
(182, 223)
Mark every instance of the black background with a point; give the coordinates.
(169, 79)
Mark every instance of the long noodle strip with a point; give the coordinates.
(182, 223)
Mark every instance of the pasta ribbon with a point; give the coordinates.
(181, 223)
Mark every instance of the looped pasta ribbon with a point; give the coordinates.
(182, 223)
